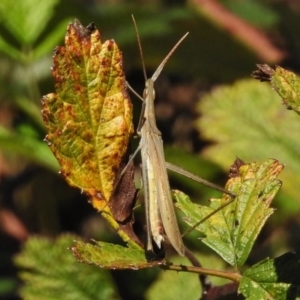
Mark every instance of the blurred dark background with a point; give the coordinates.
(226, 39)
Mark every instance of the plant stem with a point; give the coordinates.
(233, 276)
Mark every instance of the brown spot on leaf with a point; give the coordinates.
(263, 73)
(234, 168)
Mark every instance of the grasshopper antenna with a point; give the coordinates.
(162, 64)
(140, 47)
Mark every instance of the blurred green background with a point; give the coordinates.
(208, 108)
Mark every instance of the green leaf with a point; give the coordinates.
(273, 278)
(26, 20)
(7, 286)
(183, 285)
(111, 256)
(285, 83)
(50, 272)
(50, 40)
(30, 109)
(10, 50)
(245, 120)
(255, 12)
(232, 231)
(29, 147)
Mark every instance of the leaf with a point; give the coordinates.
(124, 191)
(232, 231)
(29, 147)
(50, 40)
(26, 20)
(122, 203)
(30, 108)
(175, 281)
(50, 272)
(111, 256)
(7, 286)
(273, 278)
(245, 120)
(254, 12)
(286, 83)
(11, 51)
(89, 119)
